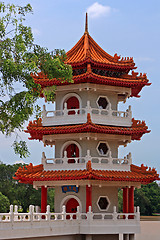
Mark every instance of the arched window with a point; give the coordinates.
(71, 207)
(72, 152)
(72, 103)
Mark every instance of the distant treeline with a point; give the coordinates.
(13, 192)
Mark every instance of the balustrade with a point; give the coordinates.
(106, 162)
(32, 216)
(98, 115)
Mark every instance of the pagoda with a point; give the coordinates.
(87, 129)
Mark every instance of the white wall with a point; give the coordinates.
(88, 144)
(110, 192)
(88, 96)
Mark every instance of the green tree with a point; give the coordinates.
(143, 202)
(147, 198)
(50, 198)
(17, 193)
(4, 203)
(120, 200)
(19, 57)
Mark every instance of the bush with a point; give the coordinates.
(4, 203)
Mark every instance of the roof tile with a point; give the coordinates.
(136, 174)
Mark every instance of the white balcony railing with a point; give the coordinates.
(31, 216)
(14, 225)
(101, 163)
(77, 116)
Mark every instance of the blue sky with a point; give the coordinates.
(128, 28)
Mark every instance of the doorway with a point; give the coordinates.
(71, 207)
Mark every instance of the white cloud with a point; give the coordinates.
(96, 10)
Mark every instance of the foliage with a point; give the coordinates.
(19, 57)
(120, 200)
(21, 148)
(147, 198)
(50, 198)
(4, 203)
(49, 93)
(17, 193)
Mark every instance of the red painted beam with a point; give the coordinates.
(125, 200)
(88, 197)
(43, 199)
(131, 201)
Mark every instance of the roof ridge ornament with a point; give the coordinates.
(86, 23)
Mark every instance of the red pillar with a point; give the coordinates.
(125, 200)
(43, 199)
(131, 201)
(88, 197)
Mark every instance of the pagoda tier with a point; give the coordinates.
(91, 64)
(136, 83)
(37, 131)
(30, 174)
(87, 51)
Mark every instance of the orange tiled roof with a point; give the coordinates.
(88, 55)
(32, 173)
(37, 131)
(87, 50)
(136, 83)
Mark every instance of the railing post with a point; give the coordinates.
(125, 160)
(11, 214)
(88, 107)
(89, 213)
(63, 212)
(37, 209)
(78, 213)
(31, 207)
(129, 112)
(44, 112)
(129, 157)
(48, 212)
(88, 156)
(65, 157)
(16, 212)
(114, 213)
(65, 109)
(110, 157)
(138, 214)
(109, 109)
(43, 160)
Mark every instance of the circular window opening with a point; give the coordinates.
(103, 148)
(102, 102)
(103, 203)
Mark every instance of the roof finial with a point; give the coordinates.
(86, 25)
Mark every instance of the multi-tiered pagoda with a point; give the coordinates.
(87, 129)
